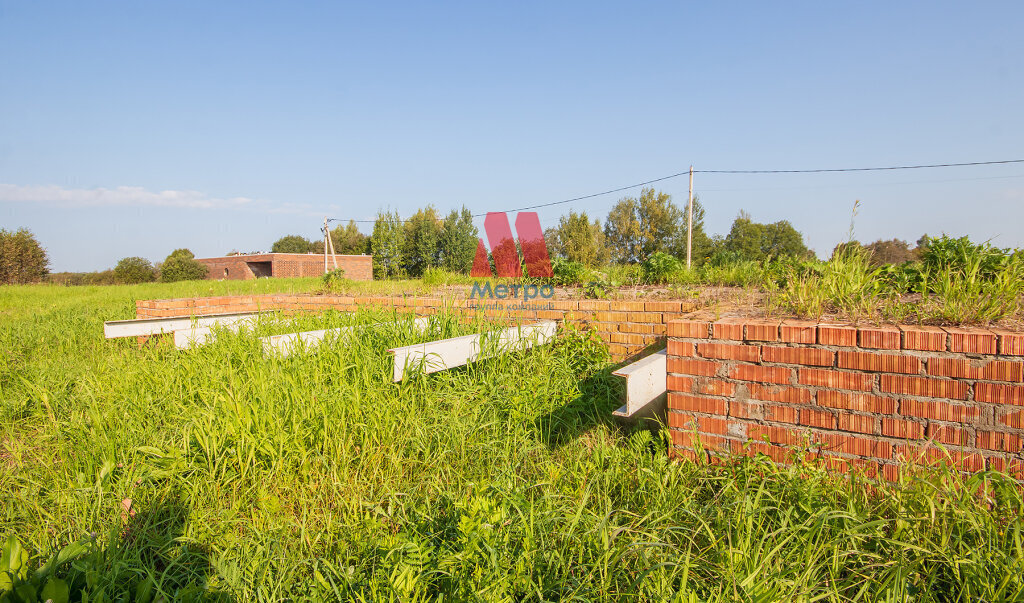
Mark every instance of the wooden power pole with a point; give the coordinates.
(689, 222)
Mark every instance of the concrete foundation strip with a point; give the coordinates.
(155, 326)
(437, 356)
(646, 384)
(287, 344)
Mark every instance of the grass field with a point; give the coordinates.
(314, 477)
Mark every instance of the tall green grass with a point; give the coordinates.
(314, 477)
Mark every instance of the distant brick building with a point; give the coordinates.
(284, 265)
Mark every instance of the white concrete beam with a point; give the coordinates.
(155, 326)
(197, 336)
(449, 353)
(646, 383)
(290, 343)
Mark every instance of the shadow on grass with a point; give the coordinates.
(153, 544)
(600, 394)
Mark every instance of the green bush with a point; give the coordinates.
(133, 270)
(180, 266)
(659, 267)
(962, 255)
(568, 273)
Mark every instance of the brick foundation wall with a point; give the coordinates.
(285, 265)
(870, 397)
(627, 327)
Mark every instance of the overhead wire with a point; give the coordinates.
(687, 172)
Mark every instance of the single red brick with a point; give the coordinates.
(714, 387)
(762, 330)
(796, 355)
(687, 366)
(760, 374)
(676, 383)
(841, 335)
(999, 394)
(900, 428)
(962, 368)
(781, 414)
(663, 306)
(689, 403)
(776, 393)
(1012, 418)
(859, 423)
(885, 338)
(971, 341)
(861, 402)
(725, 351)
(680, 348)
(949, 434)
(1010, 343)
(799, 331)
(835, 379)
(817, 418)
(727, 329)
(923, 386)
(688, 328)
(682, 420)
(943, 411)
(882, 363)
(745, 410)
(997, 440)
(929, 339)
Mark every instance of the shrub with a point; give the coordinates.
(22, 258)
(567, 272)
(133, 270)
(334, 280)
(659, 267)
(180, 266)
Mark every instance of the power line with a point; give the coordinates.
(864, 169)
(687, 172)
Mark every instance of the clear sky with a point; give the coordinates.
(134, 128)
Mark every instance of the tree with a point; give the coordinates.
(386, 244)
(882, 252)
(701, 245)
(181, 266)
(750, 240)
(636, 228)
(292, 244)
(347, 240)
(577, 239)
(420, 246)
(457, 246)
(22, 258)
(133, 270)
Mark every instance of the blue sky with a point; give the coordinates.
(136, 128)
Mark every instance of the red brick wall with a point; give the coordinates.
(870, 397)
(285, 265)
(627, 327)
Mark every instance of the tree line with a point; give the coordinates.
(635, 230)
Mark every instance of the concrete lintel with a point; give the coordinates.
(437, 356)
(197, 336)
(646, 383)
(287, 344)
(155, 326)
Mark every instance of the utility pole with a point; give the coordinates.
(689, 222)
(326, 238)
